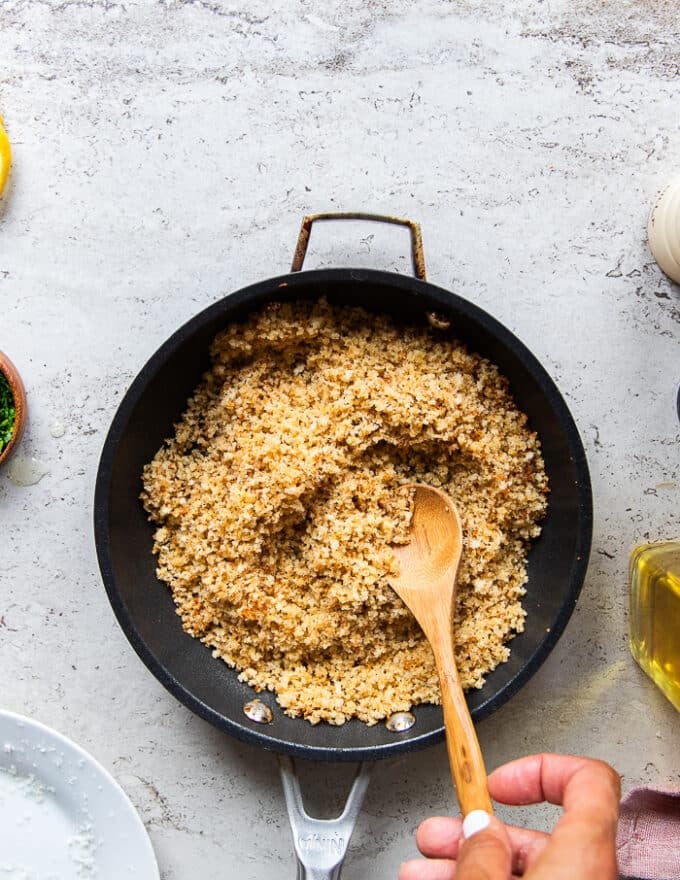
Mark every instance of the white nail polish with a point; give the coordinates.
(475, 821)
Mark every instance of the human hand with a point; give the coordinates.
(582, 844)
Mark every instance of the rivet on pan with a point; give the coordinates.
(257, 711)
(439, 322)
(399, 721)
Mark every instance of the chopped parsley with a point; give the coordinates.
(7, 412)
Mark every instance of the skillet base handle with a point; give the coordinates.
(417, 255)
(321, 844)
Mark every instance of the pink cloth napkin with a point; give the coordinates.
(648, 838)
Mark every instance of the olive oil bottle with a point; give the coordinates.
(655, 614)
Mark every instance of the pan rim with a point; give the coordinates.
(257, 294)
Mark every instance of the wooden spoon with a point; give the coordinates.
(427, 586)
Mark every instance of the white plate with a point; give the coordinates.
(62, 816)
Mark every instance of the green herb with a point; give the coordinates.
(7, 412)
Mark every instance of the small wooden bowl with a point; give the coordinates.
(16, 386)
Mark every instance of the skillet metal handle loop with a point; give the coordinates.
(417, 254)
(321, 844)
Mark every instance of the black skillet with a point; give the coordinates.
(143, 606)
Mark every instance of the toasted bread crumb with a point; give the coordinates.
(278, 498)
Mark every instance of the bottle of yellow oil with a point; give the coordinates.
(655, 614)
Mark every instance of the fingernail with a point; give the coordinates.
(475, 821)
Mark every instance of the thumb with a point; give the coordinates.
(485, 853)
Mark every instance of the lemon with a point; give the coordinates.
(5, 156)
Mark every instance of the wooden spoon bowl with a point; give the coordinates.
(16, 386)
(427, 586)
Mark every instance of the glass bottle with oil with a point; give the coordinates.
(655, 614)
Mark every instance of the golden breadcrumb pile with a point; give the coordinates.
(278, 498)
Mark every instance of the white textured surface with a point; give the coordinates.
(164, 155)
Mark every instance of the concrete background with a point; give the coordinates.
(164, 154)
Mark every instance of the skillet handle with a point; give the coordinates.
(417, 254)
(321, 844)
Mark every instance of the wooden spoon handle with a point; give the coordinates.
(465, 755)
